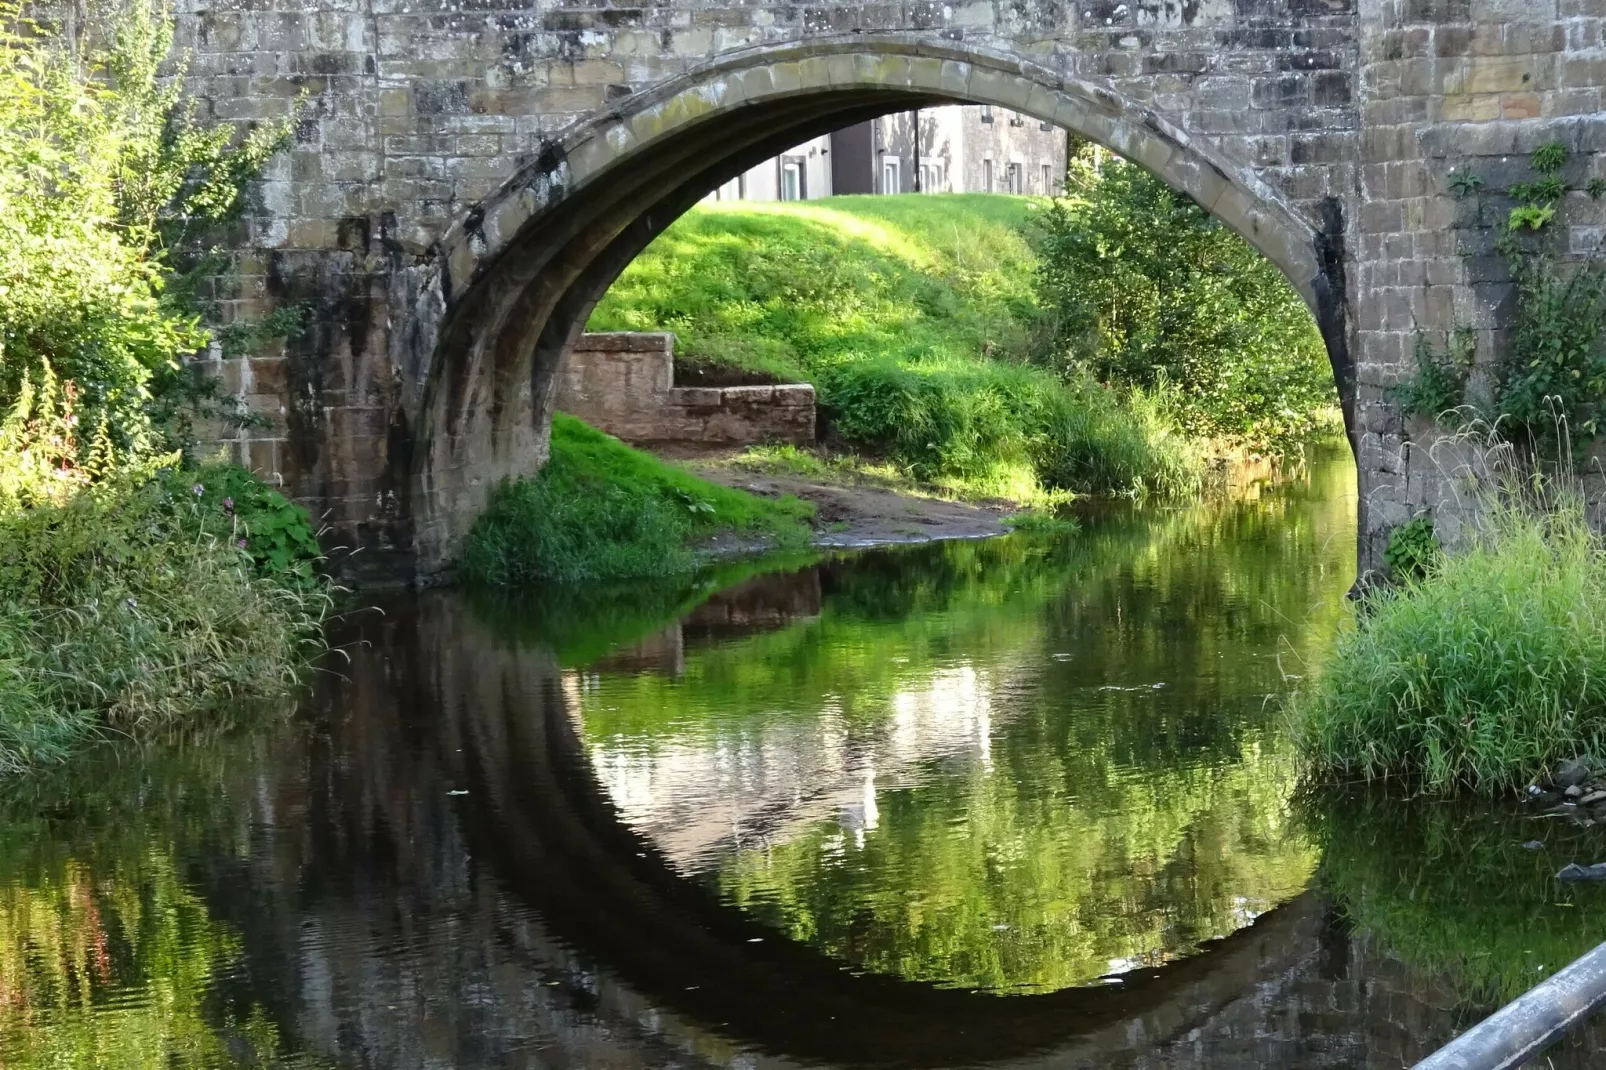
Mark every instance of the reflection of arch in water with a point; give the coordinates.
(554, 838)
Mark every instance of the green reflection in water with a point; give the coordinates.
(1465, 891)
(1012, 765)
(109, 957)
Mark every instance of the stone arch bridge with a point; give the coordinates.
(468, 176)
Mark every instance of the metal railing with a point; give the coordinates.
(1529, 1024)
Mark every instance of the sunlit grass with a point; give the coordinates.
(1481, 674)
(601, 510)
(914, 318)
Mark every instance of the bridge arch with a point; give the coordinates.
(518, 275)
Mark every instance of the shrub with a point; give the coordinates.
(1481, 673)
(601, 510)
(1147, 290)
(107, 186)
(1413, 549)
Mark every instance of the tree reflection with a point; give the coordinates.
(1014, 765)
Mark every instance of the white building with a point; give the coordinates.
(956, 148)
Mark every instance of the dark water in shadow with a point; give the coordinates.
(1021, 802)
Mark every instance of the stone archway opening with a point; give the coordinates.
(518, 277)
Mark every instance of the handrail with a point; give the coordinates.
(1530, 1023)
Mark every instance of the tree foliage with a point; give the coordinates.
(1149, 291)
(109, 191)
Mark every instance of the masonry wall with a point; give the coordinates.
(407, 113)
(1447, 85)
(623, 383)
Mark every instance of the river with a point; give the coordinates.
(1023, 802)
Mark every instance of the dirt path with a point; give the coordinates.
(859, 513)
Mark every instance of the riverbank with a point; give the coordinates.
(856, 505)
(917, 322)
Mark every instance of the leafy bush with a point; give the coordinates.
(601, 510)
(236, 507)
(914, 318)
(1413, 549)
(1480, 673)
(107, 185)
(1554, 376)
(1147, 290)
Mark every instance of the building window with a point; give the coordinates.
(792, 182)
(889, 175)
(1012, 178)
(987, 176)
(986, 113)
(1048, 179)
(1045, 126)
(931, 177)
(1016, 119)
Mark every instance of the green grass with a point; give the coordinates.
(1481, 674)
(914, 318)
(600, 510)
(136, 606)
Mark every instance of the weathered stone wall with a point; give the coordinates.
(464, 182)
(1447, 85)
(624, 383)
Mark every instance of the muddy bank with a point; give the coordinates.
(852, 513)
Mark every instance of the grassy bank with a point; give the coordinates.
(601, 510)
(148, 603)
(1483, 671)
(915, 318)
(140, 593)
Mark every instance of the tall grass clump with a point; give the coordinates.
(600, 510)
(137, 597)
(1482, 672)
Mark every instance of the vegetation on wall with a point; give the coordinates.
(600, 510)
(137, 593)
(1547, 389)
(1144, 289)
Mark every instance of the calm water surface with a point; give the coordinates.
(1023, 802)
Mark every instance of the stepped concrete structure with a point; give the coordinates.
(465, 180)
